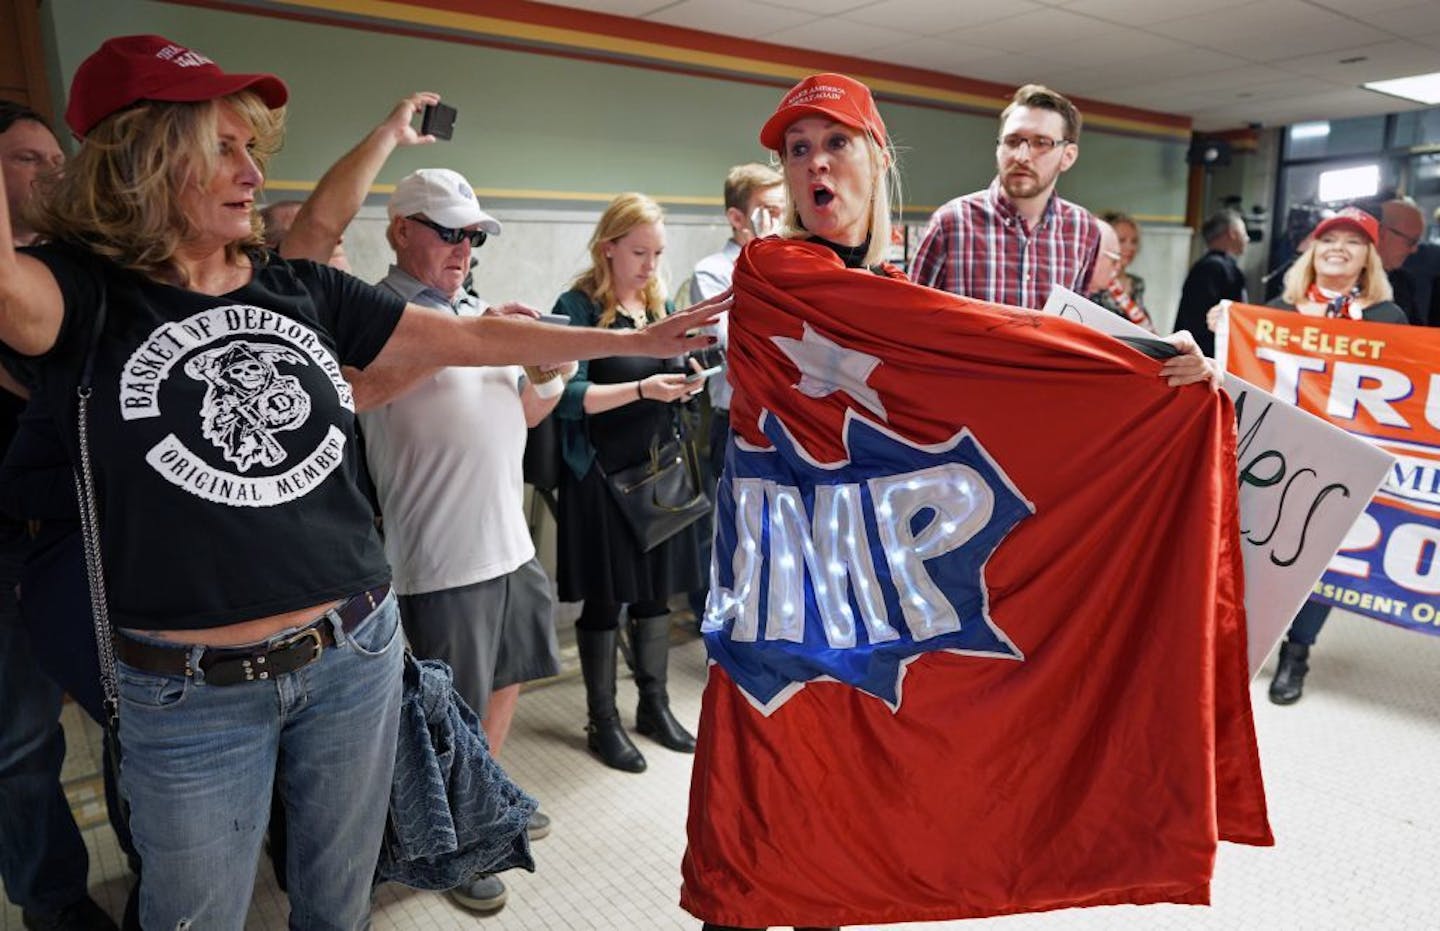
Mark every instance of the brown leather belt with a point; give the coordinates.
(234, 665)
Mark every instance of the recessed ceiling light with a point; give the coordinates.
(1423, 88)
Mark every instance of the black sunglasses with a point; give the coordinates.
(452, 236)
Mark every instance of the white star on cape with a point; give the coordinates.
(826, 367)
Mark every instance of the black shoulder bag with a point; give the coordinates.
(662, 495)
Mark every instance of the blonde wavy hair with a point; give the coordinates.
(121, 195)
(1374, 283)
(884, 199)
(625, 213)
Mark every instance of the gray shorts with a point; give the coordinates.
(494, 634)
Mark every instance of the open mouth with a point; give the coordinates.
(823, 196)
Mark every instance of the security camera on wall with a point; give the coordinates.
(1209, 153)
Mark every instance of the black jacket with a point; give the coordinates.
(1214, 277)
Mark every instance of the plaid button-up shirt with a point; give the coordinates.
(979, 246)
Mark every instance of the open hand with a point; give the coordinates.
(669, 337)
(400, 119)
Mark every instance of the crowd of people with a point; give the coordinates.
(337, 466)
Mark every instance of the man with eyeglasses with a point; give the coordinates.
(1401, 226)
(1423, 267)
(1014, 241)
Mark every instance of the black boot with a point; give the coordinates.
(651, 646)
(604, 735)
(1289, 681)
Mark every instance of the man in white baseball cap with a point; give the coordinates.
(443, 196)
(446, 460)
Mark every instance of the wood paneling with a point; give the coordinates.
(22, 57)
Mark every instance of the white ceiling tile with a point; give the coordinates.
(824, 7)
(1092, 81)
(1336, 104)
(1365, 9)
(1395, 59)
(838, 36)
(1276, 29)
(1035, 33)
(931, 17)
(935, 54)
(745, 19)
(1218, 79)
(1182, 63)
(1408, 19)
(1117, 44)
(1016, 69)
(1142, 12)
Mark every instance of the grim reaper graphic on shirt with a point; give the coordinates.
(247, 400)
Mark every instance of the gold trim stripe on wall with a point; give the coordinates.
(600, 197)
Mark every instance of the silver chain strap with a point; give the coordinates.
(94, 568)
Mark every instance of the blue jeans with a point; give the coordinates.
(42, 858)
(198, 763)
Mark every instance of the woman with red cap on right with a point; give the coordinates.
(839, 169)
(1340, 274)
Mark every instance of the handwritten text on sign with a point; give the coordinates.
(1380, 382)
(1303, 482)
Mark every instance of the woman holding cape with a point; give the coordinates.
(839, 170)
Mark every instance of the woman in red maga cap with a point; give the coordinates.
(1339, 274)
(257, 639)
(839, 167)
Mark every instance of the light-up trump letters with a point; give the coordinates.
(847, 570)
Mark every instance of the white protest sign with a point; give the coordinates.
(1302, 484)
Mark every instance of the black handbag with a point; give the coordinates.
(661, 496)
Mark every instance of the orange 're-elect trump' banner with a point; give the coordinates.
(1377, 381)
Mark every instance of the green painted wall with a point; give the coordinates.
(531, 121)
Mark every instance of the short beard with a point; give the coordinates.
(1022, 187)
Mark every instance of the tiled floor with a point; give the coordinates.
(1351, 770)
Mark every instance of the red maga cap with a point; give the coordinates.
(834, 96)
(1352, 217)
(129, 69)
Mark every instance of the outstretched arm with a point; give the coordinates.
(31, 307)
(341, 191)
(429, 337)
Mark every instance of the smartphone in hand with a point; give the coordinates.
(692, 377)
(438, 120)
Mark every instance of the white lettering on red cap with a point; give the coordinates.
(182, 57)
(818, 92)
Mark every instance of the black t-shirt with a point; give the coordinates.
(221, 433)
